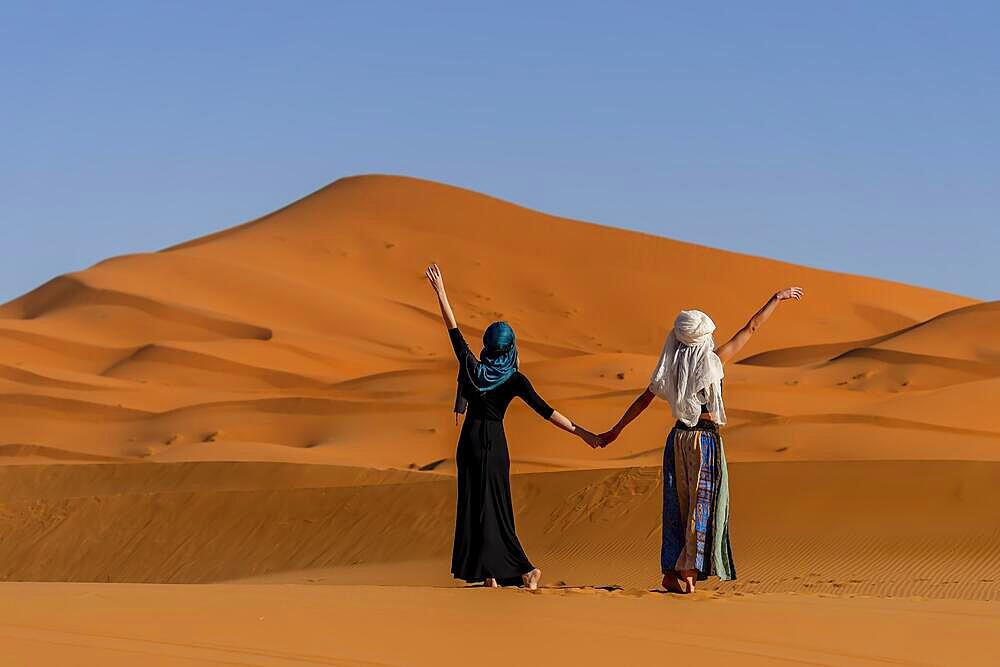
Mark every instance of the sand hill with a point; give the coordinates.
(310, 336)
(271, 403)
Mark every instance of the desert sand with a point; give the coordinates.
(295, 626)
(269, 408)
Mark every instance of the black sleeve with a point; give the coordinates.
(458, 343)
(527, 393)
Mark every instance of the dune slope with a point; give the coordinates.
(309, 335)
(272, 403)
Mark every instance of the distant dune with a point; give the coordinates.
(311, 330)
(273, 403)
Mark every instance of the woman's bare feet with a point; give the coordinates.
(532, 578)
(490, 582)
(672, 583)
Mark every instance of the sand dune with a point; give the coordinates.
(323, 300)
(905, 528)
(271, 403)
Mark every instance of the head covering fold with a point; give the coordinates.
(496, 364)
(689, 372)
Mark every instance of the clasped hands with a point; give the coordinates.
(598, 441)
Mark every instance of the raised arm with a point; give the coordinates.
(736, 343)
(638, 406)
(436, 280)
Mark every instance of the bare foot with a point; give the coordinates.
(689, 577)
(532, 578)
(672, 583)
(490, 582)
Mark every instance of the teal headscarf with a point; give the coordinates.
(497, 362)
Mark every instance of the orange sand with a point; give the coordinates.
(364, 626)
(272, 404)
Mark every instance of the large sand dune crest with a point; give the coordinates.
(323, 300)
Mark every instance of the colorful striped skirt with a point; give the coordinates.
(696, 503)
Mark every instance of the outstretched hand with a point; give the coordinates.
(789, 293)
(435, 278)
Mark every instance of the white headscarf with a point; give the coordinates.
(689, 372)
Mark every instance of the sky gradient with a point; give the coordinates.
(855, 136)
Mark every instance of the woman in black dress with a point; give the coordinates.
(486, 544)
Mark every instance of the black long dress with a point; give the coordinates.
(486, 544)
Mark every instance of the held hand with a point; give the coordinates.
(789, 293)
(589, 437)
(608, 437)
(435, 278)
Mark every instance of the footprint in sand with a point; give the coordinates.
(141, 451)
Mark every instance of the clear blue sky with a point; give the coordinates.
(856, 136)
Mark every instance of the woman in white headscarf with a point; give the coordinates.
(688, 376)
